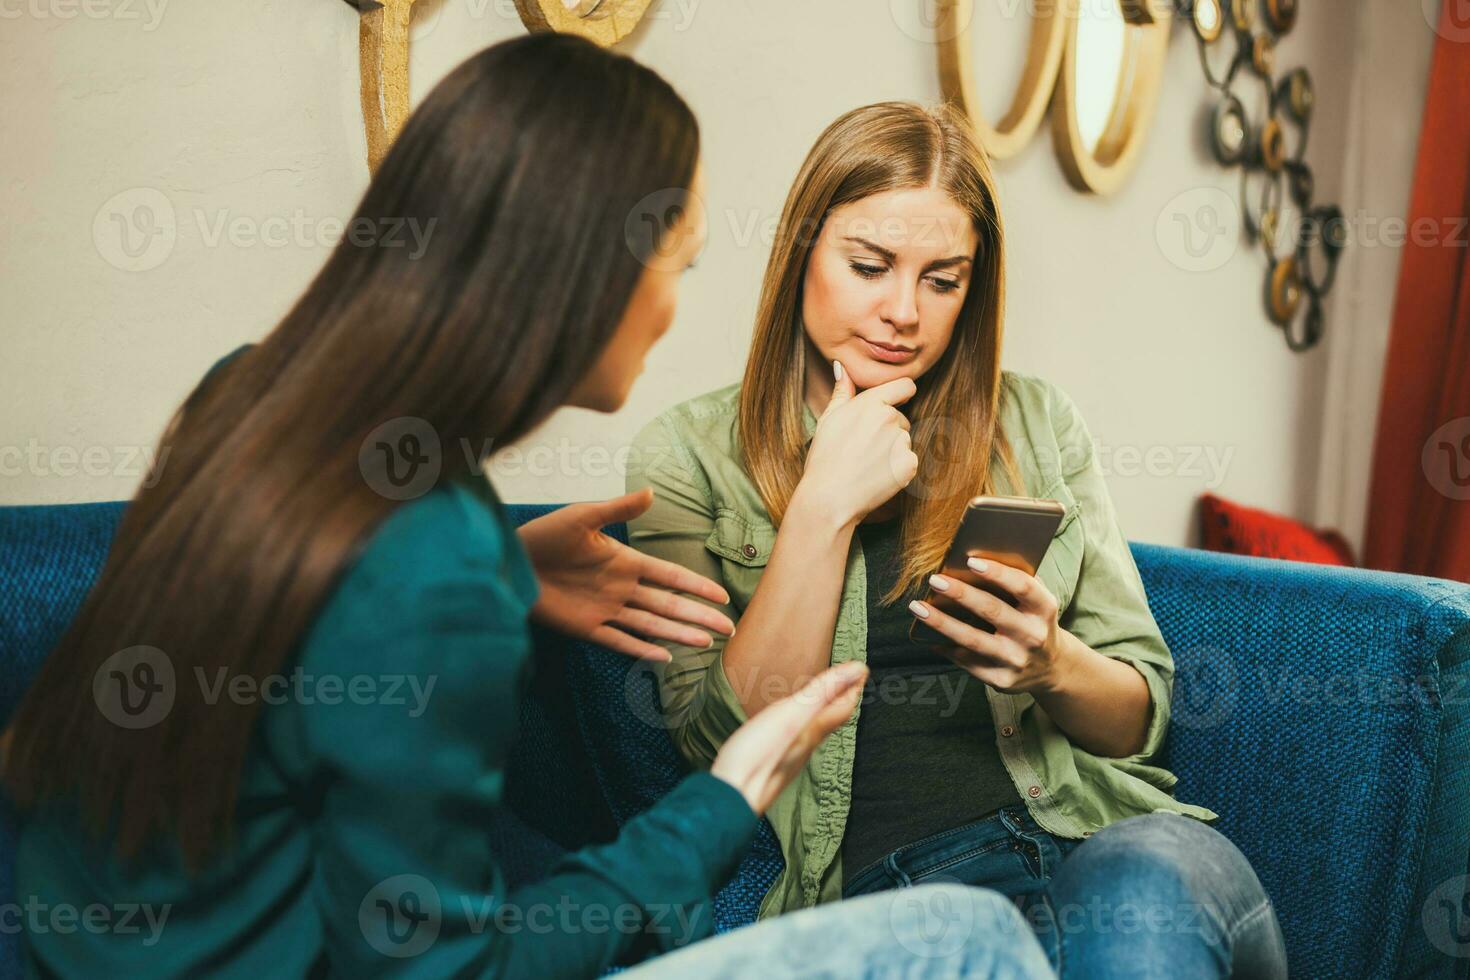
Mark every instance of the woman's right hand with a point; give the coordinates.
(764, 755)
(860, 456)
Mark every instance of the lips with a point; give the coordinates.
(889, 353)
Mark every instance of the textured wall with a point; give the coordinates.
(240, 120)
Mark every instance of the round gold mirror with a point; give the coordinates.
(1020, 122)
(604, 21)
(1108, 88)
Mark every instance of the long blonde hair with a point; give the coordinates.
(955, 414)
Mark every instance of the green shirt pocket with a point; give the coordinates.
(744, 548)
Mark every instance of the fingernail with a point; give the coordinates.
(939, 582)
(837, 370)
(919, 609)
(732, 632)
(977, 565)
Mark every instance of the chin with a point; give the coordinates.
(869, 373)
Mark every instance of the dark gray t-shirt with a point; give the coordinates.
(926, 758)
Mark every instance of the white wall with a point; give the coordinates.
(247, 112)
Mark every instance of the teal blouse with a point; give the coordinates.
(360, 843)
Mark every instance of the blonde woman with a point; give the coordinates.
(822, 492)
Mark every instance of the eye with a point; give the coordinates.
(942, 285)
(867, 271)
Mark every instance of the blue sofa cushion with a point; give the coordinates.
(1320, 711)
(49, 558)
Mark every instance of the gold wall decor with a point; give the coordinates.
(605, 21)
(1302, 246)
(1097, 164)
(382, 66)
(1101, 167)
(1016, 128)
(1098, 153)
(382, 43)
(382, 52)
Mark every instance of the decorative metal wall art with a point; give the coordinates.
(1296, 282)
(1269, 150)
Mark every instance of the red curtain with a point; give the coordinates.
(1419, 503)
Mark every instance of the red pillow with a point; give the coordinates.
(1243, 530)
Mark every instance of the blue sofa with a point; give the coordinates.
(1322, 712)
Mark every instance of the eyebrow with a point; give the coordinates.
(890, 256)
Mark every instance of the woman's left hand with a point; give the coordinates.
(1027, 650)
(598, 589)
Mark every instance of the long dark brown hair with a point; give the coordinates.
(521, 169)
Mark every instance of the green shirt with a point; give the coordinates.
(708, 516)
(362, 839)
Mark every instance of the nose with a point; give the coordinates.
(901, 306)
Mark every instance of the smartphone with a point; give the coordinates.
(1014, 531)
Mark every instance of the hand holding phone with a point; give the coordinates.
(1014, 531)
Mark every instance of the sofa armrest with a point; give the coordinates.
(1322, 712)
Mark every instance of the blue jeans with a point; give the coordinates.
(927, 933)
(1160, 895)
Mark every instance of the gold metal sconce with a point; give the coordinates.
(605, 21)
(383, 51)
